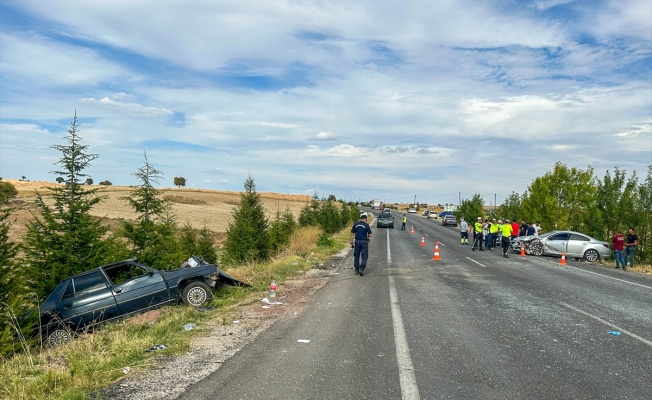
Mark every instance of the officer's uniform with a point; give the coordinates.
(362, 231)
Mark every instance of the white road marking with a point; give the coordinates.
(407, 377)
(609, 324)
(472, 260)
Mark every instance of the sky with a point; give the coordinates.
(368, 99)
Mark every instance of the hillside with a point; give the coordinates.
(197, 207)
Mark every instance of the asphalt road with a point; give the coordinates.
(472, 325)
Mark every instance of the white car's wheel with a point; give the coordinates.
(591, 255)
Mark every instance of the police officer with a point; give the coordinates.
(361, 232)
(477, 234)
(404, 221)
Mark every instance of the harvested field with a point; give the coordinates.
(196, 207)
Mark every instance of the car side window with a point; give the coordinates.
(88, 283)
(119, 274)
(69, 292)
(560, 236)
(580, 238)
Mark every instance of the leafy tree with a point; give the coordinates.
(560, 199)
(106, 183)
(155, 228)
(309, 214)
(64, 239)
(644, 229)
(331, 197)
(512, 207)
(9, 297)
(89, 181)
(247, 237)
(198, 243)
(471, 209)
(179, 181)
(7, 191)
(59, 179)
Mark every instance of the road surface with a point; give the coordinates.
(472, 325)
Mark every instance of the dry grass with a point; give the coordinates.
(197, 207)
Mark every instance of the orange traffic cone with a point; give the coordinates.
(522, 250)
(412, 232)
(436, 255)
(563, 259)
(423, 241)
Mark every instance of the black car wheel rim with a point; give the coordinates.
(197, 296)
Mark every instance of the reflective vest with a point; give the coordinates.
(478, 226)
(506, 230)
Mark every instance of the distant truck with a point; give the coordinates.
(376, 204)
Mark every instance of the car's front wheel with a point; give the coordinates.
(536, 248)
(591, 255)
(58, 336)
(196, 294)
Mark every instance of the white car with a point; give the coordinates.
(412, 210)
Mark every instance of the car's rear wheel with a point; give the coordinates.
(196, 294)
(536, 248)
(591, 255)
(58, 336)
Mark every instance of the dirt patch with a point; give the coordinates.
(172, 375)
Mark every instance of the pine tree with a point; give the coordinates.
(153, 236)
(247, 237)
(65, 239)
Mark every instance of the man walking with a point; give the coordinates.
(464, 231)
(630, 248)
(619, 243)
(360, 232)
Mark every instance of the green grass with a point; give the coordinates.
(93, 361)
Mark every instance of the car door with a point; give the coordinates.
(577, 245)
(136, 288)
(556, 244)
(87, 300)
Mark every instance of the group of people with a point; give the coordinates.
(624, 248)
(491, 233)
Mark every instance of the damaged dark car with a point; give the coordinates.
(122, 289)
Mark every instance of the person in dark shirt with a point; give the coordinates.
(523, 230)
(530, 229)
(630, 248)
(360, 232)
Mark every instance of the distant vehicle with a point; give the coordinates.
(432, 215)
(385, 219)
(125, 288)
(573, 244)
(375, 204)
(449, 219)
(425, 213)
(441, 214)
(412, 210)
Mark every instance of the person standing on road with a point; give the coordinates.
(515, 228)
(493, 232)
(360, 232)
(630, 249)
(537, 229)
(464, 231)
(523, 229)
(404, 221)
(530, 229)
(477, 234)
(506, 230)
(619, 244)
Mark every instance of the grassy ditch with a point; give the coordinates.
(93, 361)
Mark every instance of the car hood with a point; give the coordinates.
(204, 270)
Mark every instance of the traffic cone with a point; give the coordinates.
(412, 232)
(423, 241)
(522, 250)
(436, 255)
(563, 259)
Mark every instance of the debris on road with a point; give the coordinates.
(615, 333)
(303, 341)
(266, 301)
(158, 347)
(189, 326)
